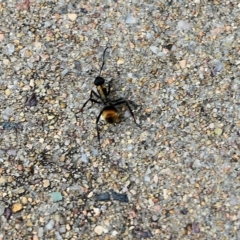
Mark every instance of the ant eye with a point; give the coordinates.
(99, 81)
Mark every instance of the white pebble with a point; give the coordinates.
(50, 225)
(130, 75)
(22, 52)
(211, 125)
(67, 142)
(146, 178)
(165, 193)
(2, 209)
(62, 229)
(108, 25)
(183, 26)
(84, 158)
(40, 232)
(130, 147)
(94, 152)
(98, 230)
(197, 164)
(148, 35)
(7, 113)
(64, 72)
(161, 54)
(218, 65)
(114, 233)
(72, 16)
(103, 208)
(12, 152)
(148, 171)
(130, 19)
(11, 48)
(47, 24)
(58, 236)
(127, 114)
(154, 49)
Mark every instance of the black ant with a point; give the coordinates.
(109, 111)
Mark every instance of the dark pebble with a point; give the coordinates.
(8, 213)
(77, 65)
(146, 234)
(8, 125)
(83, 10)
(195, 228)
(121, 197)
(184, 211)
(32, 100)
(143, 234)
(103, 196)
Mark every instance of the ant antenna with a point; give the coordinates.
(108, 46)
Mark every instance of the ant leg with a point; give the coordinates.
(118, 100)
(103, 59)
(94, 93)
(90, 99)
(129, 108)
(97, 128)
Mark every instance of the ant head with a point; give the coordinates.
(99, 81)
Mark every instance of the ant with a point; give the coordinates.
(109, 112)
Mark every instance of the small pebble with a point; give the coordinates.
(184, 211)
(46, 183)
(72, 16)
(218, 131)
(56, 196)
(120, 61)
(20, 167)
(58, 236)
(32, 100)
(1, 37)
(50, 225)
(95, 152)
(121, 197)
(98, 230)
(40, 232)
(8, 125)
(11, 48)
(2, 208)
(7, 113)
(7, 213)
(16, 207)
(183, 26)
(154, 218)
(183, 63)
(146, 234)
(8, 92)
(147, 178)
(130, 19)
(195, 228)
(35, 237)
(24, 200)
(84, 158)
(103, 196)
(154, 49)
(62, 229)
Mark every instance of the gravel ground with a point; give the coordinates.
(176, 177)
